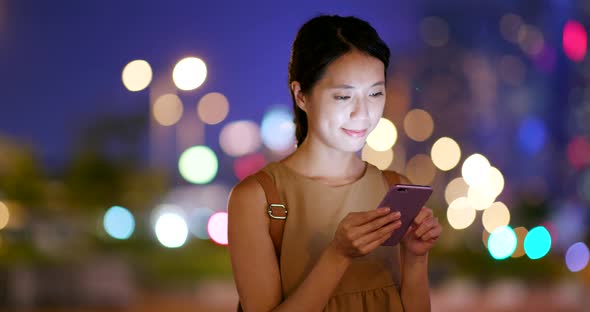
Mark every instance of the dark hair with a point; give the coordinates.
(319, 42)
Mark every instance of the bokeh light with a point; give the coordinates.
(239, 138)
(171, 230)
(119, 222)
(198, 221)
(577, 256)
(434, 31)
(445, 153)
(502, 242)
(521, 233)
(278, 130)
(495, 183)
(198, 164)
(217, 228)
(531, 135)
(484, 194)
(509, 25)
(137, 75)
(537, 242)
(4, 215)
(248, 165)
(383, 137)
(213, 108)
(420, 169)
(189, 73)
(476, 170)
(167, 109)
(480, 198)
(530, 40)
(578, 152)
(418, 125)
(455, 189)
(495, 216)
(575, 41)
(460, 214)
(381, 160)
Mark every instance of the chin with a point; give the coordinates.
(352, 148)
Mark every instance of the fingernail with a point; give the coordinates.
(385, 209)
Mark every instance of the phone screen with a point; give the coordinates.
(409, 200)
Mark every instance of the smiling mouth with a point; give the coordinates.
(355, 133)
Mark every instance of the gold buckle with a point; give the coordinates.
(269, 210)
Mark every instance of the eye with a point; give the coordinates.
(341, 97)
(376, 94)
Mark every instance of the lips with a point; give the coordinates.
(355, 133)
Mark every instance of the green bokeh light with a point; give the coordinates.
(198, 165)
(502, 242)
(537, 243)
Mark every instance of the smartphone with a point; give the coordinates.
(407, 199)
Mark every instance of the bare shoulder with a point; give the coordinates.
(246, 207)
(247, 191)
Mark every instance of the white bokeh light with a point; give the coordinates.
(189, 73)
(171, 230)
(476, 170)
(383, 137)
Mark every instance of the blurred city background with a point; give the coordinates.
(125, 124)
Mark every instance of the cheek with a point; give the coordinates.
(331, 112)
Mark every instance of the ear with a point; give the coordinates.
(299, 96)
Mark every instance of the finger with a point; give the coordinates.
(426, 226)
(371, 245)
(377, 234)
(358, 218)
(433, 234)
(409, 232)
(377, 223)
(424, 213)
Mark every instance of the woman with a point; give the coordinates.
(331, 257)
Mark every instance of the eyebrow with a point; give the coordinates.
(345, 86)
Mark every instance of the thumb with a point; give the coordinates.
(410, 231)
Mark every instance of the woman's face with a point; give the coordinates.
(347, 103)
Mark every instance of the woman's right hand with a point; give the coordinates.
(359, 233)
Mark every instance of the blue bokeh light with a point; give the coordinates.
(119, 222)
(502, 242)
(277, 129)
(537, 242)
(531, 135)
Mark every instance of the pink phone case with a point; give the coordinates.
(409, 200)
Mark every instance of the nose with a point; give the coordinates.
(360, 110)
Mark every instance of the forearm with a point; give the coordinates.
(415, 292)
(315, 290)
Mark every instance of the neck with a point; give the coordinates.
(319, 161)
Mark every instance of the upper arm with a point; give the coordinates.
(253, 258)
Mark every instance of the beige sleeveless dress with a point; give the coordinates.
(372, 282)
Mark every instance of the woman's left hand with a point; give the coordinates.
(422, 234)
